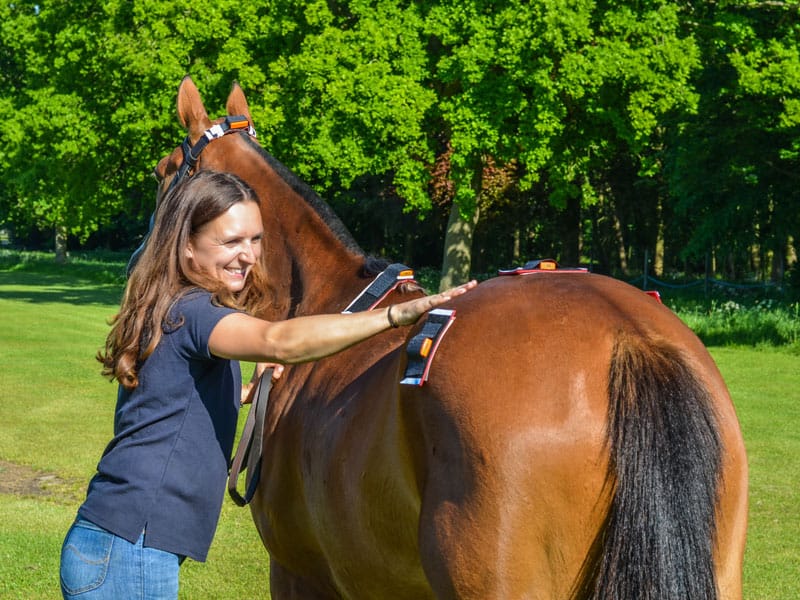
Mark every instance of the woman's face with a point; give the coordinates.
(228, 247)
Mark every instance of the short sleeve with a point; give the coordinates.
(197, 315)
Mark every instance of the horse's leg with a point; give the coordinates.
(732, 511)
(530, 544)
(732, 523)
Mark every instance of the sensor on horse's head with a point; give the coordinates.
(191, 154)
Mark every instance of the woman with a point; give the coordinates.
(183, 324)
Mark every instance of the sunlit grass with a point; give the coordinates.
(57, 412)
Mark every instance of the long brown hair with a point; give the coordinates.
(162, 274)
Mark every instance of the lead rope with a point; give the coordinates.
(249, 451)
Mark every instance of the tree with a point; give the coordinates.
(94, 88)
(734, 167)
(580, 116)
(543, 90)
(566, 91)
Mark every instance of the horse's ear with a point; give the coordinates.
(191, 112)
(237, 103)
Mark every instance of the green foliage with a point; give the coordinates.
(552, 85)
(95, 104)
(624, 123)
(735, 164)
(354, 97)
(765, 322)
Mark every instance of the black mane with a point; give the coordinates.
(372, 265)
(314, 201)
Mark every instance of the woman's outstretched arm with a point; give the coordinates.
(303, 339)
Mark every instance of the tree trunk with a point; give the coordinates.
(622, 254)
(61, 244)
(755, 260)
(516, 250)
(408, 244)
(658, 259)
(457, 248)
(778, 267)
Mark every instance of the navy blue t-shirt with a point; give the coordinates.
(164, 471)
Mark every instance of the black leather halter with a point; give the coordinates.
(191, 154)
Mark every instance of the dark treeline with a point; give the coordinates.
(462, 135)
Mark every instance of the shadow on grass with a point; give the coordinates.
(42, 288)
(764, 334)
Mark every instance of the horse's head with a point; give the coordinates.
(304, 242)
(201, 130)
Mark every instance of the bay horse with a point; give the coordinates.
(574, 438)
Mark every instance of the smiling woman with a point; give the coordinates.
(229, 246)
(185, 321)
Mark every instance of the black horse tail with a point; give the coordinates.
(664, 475)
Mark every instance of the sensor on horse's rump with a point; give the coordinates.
(573, 438)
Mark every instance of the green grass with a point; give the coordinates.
(96, 267)
(762, 322)
(765, 386)
(56, 415)
(30, 540)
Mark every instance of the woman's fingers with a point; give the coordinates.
(453, 292)
(461, 289)
(410, 312)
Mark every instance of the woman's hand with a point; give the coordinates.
(248, 389)
(408, 313)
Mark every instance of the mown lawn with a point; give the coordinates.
(56, 415)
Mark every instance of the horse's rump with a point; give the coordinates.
(567, 431)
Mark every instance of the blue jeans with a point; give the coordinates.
(97, 565)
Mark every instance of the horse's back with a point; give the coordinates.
(546, 340)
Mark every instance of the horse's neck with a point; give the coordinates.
(312, 268)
